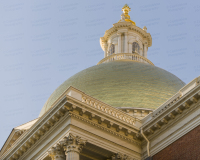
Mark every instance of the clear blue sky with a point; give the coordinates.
(44, 42)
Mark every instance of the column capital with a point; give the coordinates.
(73, 143)
(56, 152)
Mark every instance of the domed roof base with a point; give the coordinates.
(122, 84)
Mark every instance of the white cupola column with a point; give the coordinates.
(119, 41)
(145, 50)
(105, 50)
(126, 42)
(129, 47)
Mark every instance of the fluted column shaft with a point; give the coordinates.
(72, 156)
(72, 151)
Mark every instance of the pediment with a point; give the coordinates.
(16, 134)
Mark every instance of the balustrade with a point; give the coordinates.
(126, 56)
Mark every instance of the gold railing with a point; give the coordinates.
(125, 56)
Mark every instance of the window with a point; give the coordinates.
(112, 49)
(135, 47)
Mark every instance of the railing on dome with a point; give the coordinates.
(126, 56)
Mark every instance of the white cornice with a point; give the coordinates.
(115, 133)
(170, 113)
(43, 125)
(29, 135)
(172, 101)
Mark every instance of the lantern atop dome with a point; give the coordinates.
(126, 41)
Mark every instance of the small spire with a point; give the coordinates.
(125, 16)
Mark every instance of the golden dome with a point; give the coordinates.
(122, 84)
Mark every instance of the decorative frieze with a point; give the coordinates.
(131, 140)
(50, 123)
(27, 145)
(164, 121)
(36, 137)
(193, 99)
(186, 105)
(31, 141)
(23, 149)
(178, 110)
(120, 156)
(171, 116)
(45, 128)
(54, 118)
(60, 113)
(157, 125)
(100, 120)
(40, 132)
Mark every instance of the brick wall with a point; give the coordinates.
(185, 148)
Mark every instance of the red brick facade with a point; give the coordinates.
(185, 148)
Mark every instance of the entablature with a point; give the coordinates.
(125, 27)
(74, 103)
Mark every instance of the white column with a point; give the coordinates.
(126, 42)
(130, 48)
(108, 49)
(105, 50)
(141, 52)
(73, 145)
(116, 48)
(145, 50)
(72, 155)
(119, 42)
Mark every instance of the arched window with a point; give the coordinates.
(135, 47)
(112, 49)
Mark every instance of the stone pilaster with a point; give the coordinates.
(57, 153)
(73, 145)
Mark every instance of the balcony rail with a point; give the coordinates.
(126, 56)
